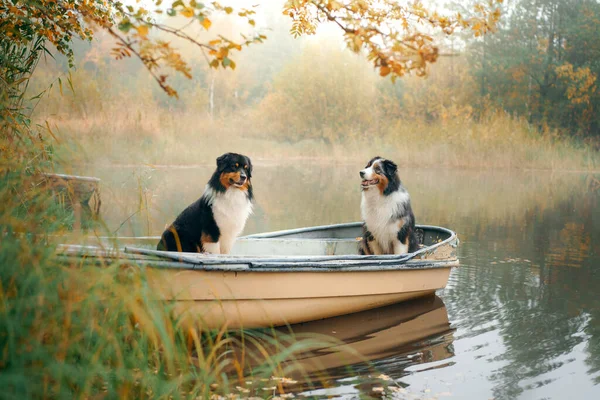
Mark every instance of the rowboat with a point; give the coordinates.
(287, 277)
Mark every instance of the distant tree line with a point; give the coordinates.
(543, 63)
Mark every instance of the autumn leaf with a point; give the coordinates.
(206, 23)
(385, 71)
(188, 12)
(357, 43)
(142, 30)
(222, 53)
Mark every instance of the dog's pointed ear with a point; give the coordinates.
(390, 167)
(222, 161)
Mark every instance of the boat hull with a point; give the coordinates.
(285, 277)
(251, 299)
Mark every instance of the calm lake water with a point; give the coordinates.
(519, 319)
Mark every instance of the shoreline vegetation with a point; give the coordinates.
(296, 112)
(75, 330)
(459, 143)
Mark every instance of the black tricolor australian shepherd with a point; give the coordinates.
(389, 223)
(211, 223)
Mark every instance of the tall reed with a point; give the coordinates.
(69, 329)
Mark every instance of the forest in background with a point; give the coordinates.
(525, 96)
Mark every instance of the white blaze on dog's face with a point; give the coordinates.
(374, 174)
(370, 175)
(381, 174)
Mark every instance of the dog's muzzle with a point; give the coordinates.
(367, 182)
(242, 181)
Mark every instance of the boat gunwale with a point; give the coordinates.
(353, 263)
(290, 268)
(284, 232)
(399, 257)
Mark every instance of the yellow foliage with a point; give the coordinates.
(580, 82)
(446, 93)
(142, 30)
(394, 51)
(206, 23)
(187, 12)
(403, 46)
(309, 102)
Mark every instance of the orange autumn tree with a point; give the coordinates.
(580, 84)
(395, 36)
(60, 21)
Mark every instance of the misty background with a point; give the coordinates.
(523, 97)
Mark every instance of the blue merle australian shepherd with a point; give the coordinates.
(389, 223)
(212, 223)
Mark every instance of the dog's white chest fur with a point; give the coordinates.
(378, 211)
(230, 211)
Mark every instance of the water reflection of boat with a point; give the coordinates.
(419, 328)
(379, 334)
(293, 276)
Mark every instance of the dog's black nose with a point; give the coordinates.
(243, 175)
(362, 174)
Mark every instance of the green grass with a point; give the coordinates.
(75, 330)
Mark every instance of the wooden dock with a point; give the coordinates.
(82, 193)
